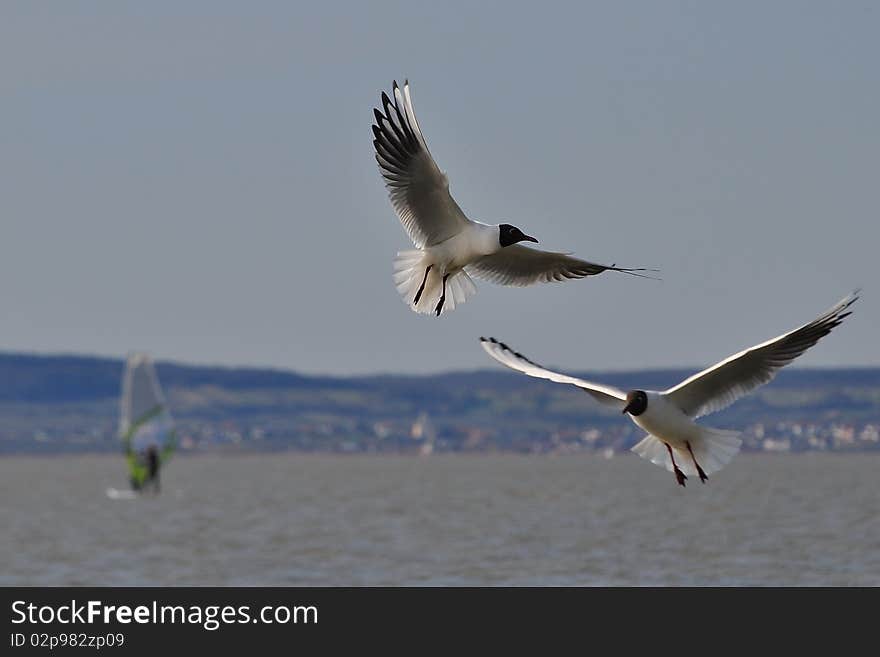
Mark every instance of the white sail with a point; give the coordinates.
(423, 429)
(144, 419)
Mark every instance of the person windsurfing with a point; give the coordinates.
(145, 426)
(145, 470)
(153, 463)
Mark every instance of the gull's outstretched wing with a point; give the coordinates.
(419, 191)
(522, 265)
(607, 395)
(722, 384)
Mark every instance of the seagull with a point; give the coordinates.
(674, 440)
(450, 248)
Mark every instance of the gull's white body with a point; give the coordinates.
(666, 421)
(667, 424)
(472, 243)
(449, 257)
(669, 416)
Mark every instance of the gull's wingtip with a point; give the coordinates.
(849, 299)
(636, 271)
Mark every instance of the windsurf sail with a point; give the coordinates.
(423, 429)
(144, 419)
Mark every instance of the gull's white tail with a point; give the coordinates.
(713, 449)
(409, 273)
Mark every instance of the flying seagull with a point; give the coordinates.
(450, 248)
(674, 440)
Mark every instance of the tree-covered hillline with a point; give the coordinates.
(60, 404)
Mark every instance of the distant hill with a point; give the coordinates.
(49, 403)
(66, 378)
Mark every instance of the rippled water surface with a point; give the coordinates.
(443, 520)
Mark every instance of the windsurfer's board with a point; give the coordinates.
(121, 494)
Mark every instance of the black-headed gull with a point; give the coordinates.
(669, 416)
(449, 246)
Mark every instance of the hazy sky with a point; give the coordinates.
(197, 179)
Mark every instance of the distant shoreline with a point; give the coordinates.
(63, 404)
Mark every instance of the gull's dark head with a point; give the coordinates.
(636, 402)
(511, 235)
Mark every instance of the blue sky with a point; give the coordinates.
(196, 179)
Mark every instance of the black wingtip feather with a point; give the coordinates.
(634, 271)
(503, 346)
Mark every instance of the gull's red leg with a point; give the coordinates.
(702, 474)
(442, 296)
(422, 286)
(679, 475)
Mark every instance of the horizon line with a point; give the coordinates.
(379, 374)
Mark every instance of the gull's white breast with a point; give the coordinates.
(474, 242)
(666, 421)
